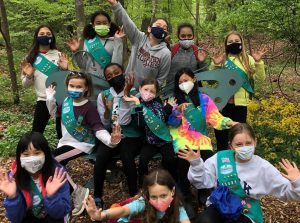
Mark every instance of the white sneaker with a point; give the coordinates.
(78, 196)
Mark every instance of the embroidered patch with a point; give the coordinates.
(226, 169)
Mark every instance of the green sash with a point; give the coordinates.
(246, 85)
(156, 125)
(73, 126)
(98, 51)
(37, 207)
(227, 176)
(44, 65)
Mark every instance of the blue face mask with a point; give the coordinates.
(158, 32)
(44, 40)
(75, 94)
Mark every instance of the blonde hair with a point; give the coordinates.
(243, 56)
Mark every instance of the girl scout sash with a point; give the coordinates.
(44, 65)
(156, 125)
(227, 176)
(73, 126)
(246, 85)
(37, 206)
(98, 51)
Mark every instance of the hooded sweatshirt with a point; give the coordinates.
(146, 61)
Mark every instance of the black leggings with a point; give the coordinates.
(30, 218)
(41, 117)
(211, 215)
(183, 169)
(128, 149)
(237, 114)
(168, 159)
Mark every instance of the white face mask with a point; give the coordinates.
(147, 96)
(186, 43)
(186, 86)
(32, 163)
(245, 152)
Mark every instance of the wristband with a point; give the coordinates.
(106, 215)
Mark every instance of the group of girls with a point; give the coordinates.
(131, 121)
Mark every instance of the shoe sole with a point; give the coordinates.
(82, 208)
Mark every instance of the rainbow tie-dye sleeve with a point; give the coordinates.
(213, 116)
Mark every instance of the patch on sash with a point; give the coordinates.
(226, 169)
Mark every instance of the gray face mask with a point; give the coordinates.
(186, 43)
(245, 152)
(32, 163)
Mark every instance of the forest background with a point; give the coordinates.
(274, 112)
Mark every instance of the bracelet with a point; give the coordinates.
(106, 215)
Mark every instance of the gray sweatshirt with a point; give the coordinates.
(185, 58)
(146, 61)
(114, 47)
(258, 178)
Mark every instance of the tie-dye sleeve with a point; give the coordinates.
(212, 114)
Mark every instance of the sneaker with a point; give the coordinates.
(78, 196)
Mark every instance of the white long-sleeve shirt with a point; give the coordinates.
(258, 178)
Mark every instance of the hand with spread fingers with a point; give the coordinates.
(132, 98)
(218, 57)
(120, 33)
(202, 54)
(291, 169)
(56, 181)
(129, 82)
(258, 53)
(188, 154)
(63, 61)
(171, 101)
(182, 107)
(73, 44)
(7, 184)
(108, 105)
(27, 69)
(91, 209)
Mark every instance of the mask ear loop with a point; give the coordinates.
(173, 192)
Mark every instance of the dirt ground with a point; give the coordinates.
(275, 211)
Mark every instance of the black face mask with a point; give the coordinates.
(234, 48)
(117, 82)
(158, 32)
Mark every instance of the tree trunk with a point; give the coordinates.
(80, 18)
(210, 11)
(10, 57)
(197, 22)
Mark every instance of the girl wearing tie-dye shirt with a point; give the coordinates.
(190, 115)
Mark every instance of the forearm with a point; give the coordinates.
(105, 137)
(114, 213)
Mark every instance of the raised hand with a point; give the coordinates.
(7, 184)
(50, 92)
(231, 123)
(258, 53)
(91, 209)
(292, 171)
(171, 101)
(108, 103)
(73, 44)
(63, 61)
(202, 54)
(189, 154)
(112, 2)
(116, 135)
(218, 57)
(132, 98)
(120, 33)
(129, 82)
(27, 68)
(56, 181)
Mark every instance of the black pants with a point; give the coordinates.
(168, 159)
(30, 218)
(236, 113)
(211, 215)
(183, 168)
(128, 149)
(41, 117)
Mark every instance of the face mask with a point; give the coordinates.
(158, 32)
(146, 96)
(32, 163)
(102, 30)
(234, 48)
(44, 40)
(75, 94)
(186, 86)
(245, 152)
(161, 204)
(186, 43)
(117, 82)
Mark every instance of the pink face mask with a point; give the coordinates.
(147, 96)
(161, 204)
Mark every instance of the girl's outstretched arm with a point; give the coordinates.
(98, 214)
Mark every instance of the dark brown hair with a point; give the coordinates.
(81, 75)
(150, 81)
(163, 178)
(238, 129)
